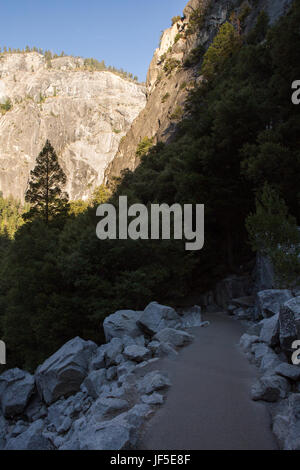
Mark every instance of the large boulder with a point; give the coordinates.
(16, 388)
(247, 341)
(94, 382)
(287, 329)
(192, 318)
(113, 349)
(174, 337)
(152, 382)
(288, 371)
(156, 317)
(270, 330)
(120, 324)
(268, 302)
(31, 439)
(63, 373)
(270, 388)
(286, 425)
(137, 353)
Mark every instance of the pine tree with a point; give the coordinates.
(44, 191)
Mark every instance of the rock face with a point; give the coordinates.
(84, 115)
(16, 387)
(63, 373)
(168, 91)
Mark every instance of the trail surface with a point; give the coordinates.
(209, 406)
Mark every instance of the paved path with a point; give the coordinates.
(208, 406)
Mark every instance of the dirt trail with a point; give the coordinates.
(208, 406)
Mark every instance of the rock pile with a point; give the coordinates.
(86, 397)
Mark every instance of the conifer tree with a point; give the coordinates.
(44, 192)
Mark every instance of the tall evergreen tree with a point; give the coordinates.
(44, 192)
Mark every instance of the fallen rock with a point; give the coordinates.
(16, 388)
(137, 353)
(246, 341)
(108, 407)
(63, 373)
(192, 318)
(112, 351)
(163, 350)
(286, 425)
(153, 399)
(176, 338)
(268, 302)
(293, 306)
(288, 371)
(270, 388)
(270, 330)
(31, 439)
(120, 324)
(157, 317)
(152, 382)
(94, 382)
(98, 361)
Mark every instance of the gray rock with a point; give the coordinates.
(268, 302)
(263, 273)
(31, 439)
(3, 431)
(111, 373)
(174, 337)
(286, 424)
(156, 317)
(120, 324)
(288, 371)
(269, 362)
(113, 349)
(94, 382)
(129, 341)
(270, 330)
(16, 388)
(63, 373)
(259, 350)
(19, 428)
(165, 350)
(126, 368)
(98, 361)
(270, 388)
(106, 407)
(192, 318)
(36, 409)
(65, 426)
(152, 382)
(246, 341)
(255, 329)
(153, 399)
(287, 329)
(137, 353)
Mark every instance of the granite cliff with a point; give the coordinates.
(84, 114)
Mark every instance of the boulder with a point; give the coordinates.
(120, 324)
(156, 317)
(270, 388)
(125, 368)
(106, 407)
(192, 318)
(112, 351)
(268, 302)
(63, 373)
(152, 382)
(31, 439)
(98, 361)
(35, 409)
(94, 382)
(269, 361)
(163, 350)
(153, 399)
(287, 329)
(16, 388)
(286, 424)
(270, 330)
(259, 350)
(246, 341)
(176, 338)
(111, 373)
(137, 353)
(288, 371)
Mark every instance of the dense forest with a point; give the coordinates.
(236, 151)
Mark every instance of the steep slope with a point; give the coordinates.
(175, 69)
(84, 114)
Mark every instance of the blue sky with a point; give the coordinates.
(124, 33)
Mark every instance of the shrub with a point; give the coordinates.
(175, 19)
(6, 106)
(144, 146)
(177, 114)
(165, 97)
(170, 65)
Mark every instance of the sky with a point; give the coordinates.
(123, 33)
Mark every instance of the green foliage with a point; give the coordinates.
(170, 65)
(165, 97)
(197, 18)
(175, 19)
(195, 56)
(240, 131)
(6, 106)
(144, 147)
(177, 38)
(10, 216)
(224, 45)
(274, 233)
(44, 193)
(177, 113)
